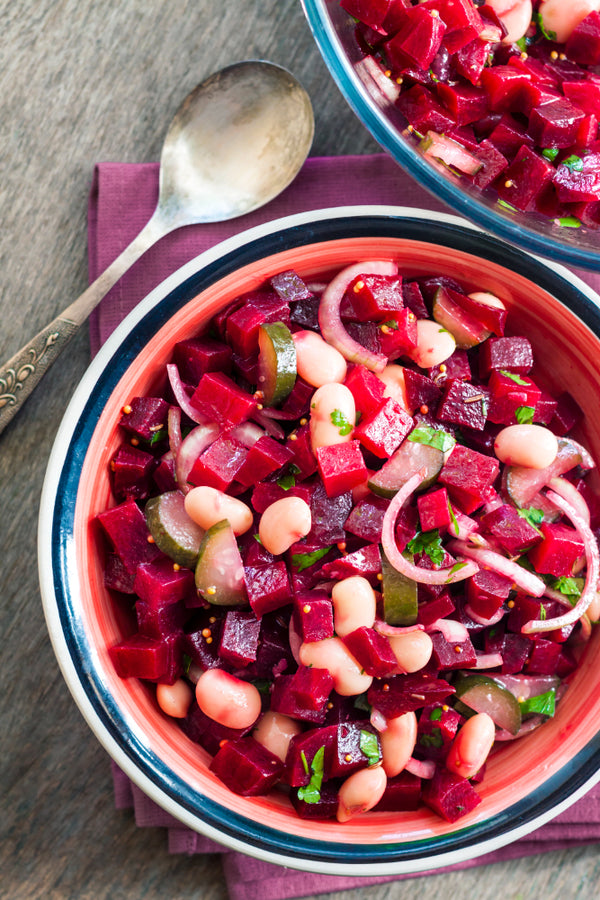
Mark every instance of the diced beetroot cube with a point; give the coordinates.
(513, 531)
(274, 655)
(348, 754)
(508, 392)
(289, 286)
(418, 39)
(202, 730)
(372, 650)
(509, 136)
(436, 608)
(456, 366)
(305, 313)
(504, 86)
(221, 400)
(366, 518)
(220, 463)
(436, 730)
(470, 59)
(434, 509)
(306, 559)
(462, 403)
(325, 807)
(268, 492)
(526, 177)
(466, 102)
(297, 403)
(545, 409)
(371, 12)
(491, 317)
(449, 795)
(423, 111)
(366, 388)
(313, 616)
(239, 638)
(544, 657)
(583, 94)
(366, 562)
(132, 470)
(406, 526)
(164, 474)
(376, 297)
(243, 325)
(452, 654)
(486, 592)
(398, 336)
(581, 183)
(413, 299)
(268, 587)
(144, 417)
(526, 609)
(159, 583)
(341, 466)
(468, 474)
(202, 643)
(246, 767)
(568, 413)
(302, 750)
(583, 44)
(383, 431)
(302, 695)
(196, 356)
(328, 516)
(144, 657)
(555, 124)
(420, 390)
(300, 445)
(116, 576)
(512, 354)
(402, 794)
(159, 620)
(264, 457)
(406, 693)
(558, 552)
(125, 526)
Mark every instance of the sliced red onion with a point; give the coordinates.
(525, 686)
(488, 660)
(272, 427)
(591, 579)
(479, 620)
(558, 597)
(587, 461)
(192, 446)
(527, 727)
(247, 433)
(390, 89)
(378, 720)
(330, 322)
(488, 559)
(422, 768)
(569, 492)
(454, 632)
(174, 429)
(394, 630)
(462, 527)
(449, 575)
(180, 394)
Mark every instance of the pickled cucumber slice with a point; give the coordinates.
(399, 592)
(220, 570)
(482, 694)
(276, 362)
(173, 531)
(406, 461)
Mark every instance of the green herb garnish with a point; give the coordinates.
(428, 542)
(436, 714)
(543, 704)
(453, 518)
(455, 568)
(524, 414)
(549, 35)
(534, 516)
(514, 377)
(570, 587)
(432, 437)
(434, 739)
(369, 745)
(341, 422)
(301, 561)
(573, 163)
(312, 792)
(286, 481)
(550, 153)
(568, 222)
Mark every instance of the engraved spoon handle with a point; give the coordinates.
(21, 375)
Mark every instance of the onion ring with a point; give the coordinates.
(180, 394)
(489, 559)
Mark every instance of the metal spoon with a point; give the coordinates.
(236, 142)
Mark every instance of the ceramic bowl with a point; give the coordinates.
(528, 781)
(333, 30)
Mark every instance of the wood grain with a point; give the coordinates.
(82, 81)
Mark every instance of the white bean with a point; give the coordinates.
(228, 700)
(275, 731)
(515, 15)
(487, 299)
(360, 792)
(563, 16)
(283, 523)
(471, 746)
(354, 604)
(332, 415)
(174, 699)
(412, 650)
(434, 344)
(317, 362)
(207, 506)
(533, 446)
(395, 387)
(349, 679)
(398, 742)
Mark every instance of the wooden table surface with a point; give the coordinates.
(82, 81)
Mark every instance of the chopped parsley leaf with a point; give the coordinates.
(534, 516)
(524, 414)
(543, 704)
(301, 561)
(369, 745)
(428, 542)
(312, 792)
(432, 437)
(341, 422)
(513, 377)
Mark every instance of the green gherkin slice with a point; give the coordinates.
(173, 531)
(481, 693)
(276, 362)
(400, 599)
(220, 570)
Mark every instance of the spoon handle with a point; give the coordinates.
(21, 375)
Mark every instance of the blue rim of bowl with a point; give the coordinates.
(60, 592)
(467, 204)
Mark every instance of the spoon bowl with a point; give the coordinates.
(237, 140)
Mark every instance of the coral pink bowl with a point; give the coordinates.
(527, 781)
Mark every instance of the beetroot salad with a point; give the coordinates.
(358, 538)
(504, 94)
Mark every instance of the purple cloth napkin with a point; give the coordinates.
(122, 199)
